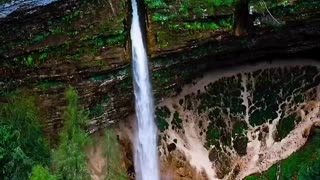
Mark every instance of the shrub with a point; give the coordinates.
(22, 144)
(41, 173)
(70, 158)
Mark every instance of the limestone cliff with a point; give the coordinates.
(86, 44)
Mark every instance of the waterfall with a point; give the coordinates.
(145, 147)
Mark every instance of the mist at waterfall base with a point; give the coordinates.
(145, 145)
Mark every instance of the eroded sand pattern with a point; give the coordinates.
(264, 148)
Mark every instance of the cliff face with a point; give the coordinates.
(87, 45)
(68, 43)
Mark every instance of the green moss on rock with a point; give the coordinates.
(81, 32)
(100, 107)
(49, 84)
(177, 121)
(162, 115)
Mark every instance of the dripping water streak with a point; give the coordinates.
(146, 154)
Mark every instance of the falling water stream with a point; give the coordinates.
(146, 154)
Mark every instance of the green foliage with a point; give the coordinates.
(284, 3)
(157, 17)
(112, 154)
(222, 2)
(22, 144)
(303, 164)
(43, 56)
(121, 38)
(41, 173)
(48, 84)
(155, 4)
(177, 121)
(203, 26)
(185, 8)
(162, 114)
(310, 171)
(213, 133)
(239, 128)
(99, 108)
(286, 125)
(75, 57)
(271, 174)
(56, 30)
(72, 17)
(30, 60)
(40, 37)
(261, 6)
(70, 158)
(201, 7)
(100, 41)
(67, 28)
(207, 3)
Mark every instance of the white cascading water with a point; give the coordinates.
(145, 152)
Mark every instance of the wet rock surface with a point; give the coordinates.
(233, 123)
(87, 46)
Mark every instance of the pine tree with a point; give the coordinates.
(70, 158)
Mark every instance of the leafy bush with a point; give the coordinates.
(153, 4)
(310, 171)
(24, 152)
(70, 158)
(200, 7)
(41, 173)
(22, 144)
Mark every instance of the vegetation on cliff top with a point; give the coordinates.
(84, 31)
(188, 5)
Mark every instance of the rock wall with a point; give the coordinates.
(239, 121)
(87, 45)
